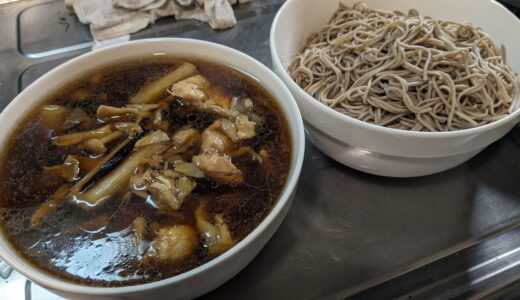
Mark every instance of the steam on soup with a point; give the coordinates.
(142, 170)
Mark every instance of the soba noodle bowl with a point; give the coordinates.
(406, 71)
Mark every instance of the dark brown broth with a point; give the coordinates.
(70, 245)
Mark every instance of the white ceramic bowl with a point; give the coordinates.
(376, 149)
(214, 273)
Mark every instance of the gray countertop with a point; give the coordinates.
(454, 234)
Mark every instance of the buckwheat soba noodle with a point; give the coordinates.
(406, 71)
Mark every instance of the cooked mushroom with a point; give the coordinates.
(78, 137)
(158, 121)
(155, 137)
(76, 117)
(172, 244)
(106, 113)
(98, 146)
(129, 112)
(94, 146)
(132, 129)
(53, 115)
(68, 170)
(216, 236)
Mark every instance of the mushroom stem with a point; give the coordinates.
(111, 137)
(78, 137)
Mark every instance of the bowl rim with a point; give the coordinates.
(296, 130)
(329, 112)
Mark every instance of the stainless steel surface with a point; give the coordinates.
(449, 235)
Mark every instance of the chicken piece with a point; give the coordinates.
(247, 150)
(155, 162)
(198, 91)
(188, 169)
(218, 166)
(227, 127)
(171, 192)
(213, 161)
(241, 104)
(172, 245)
(183, 140)
(163, 192)
(246, 128)
(216, 236)
(184, 187)
(68, 170)
(192, 89)
(216, 141)
(218, 100)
